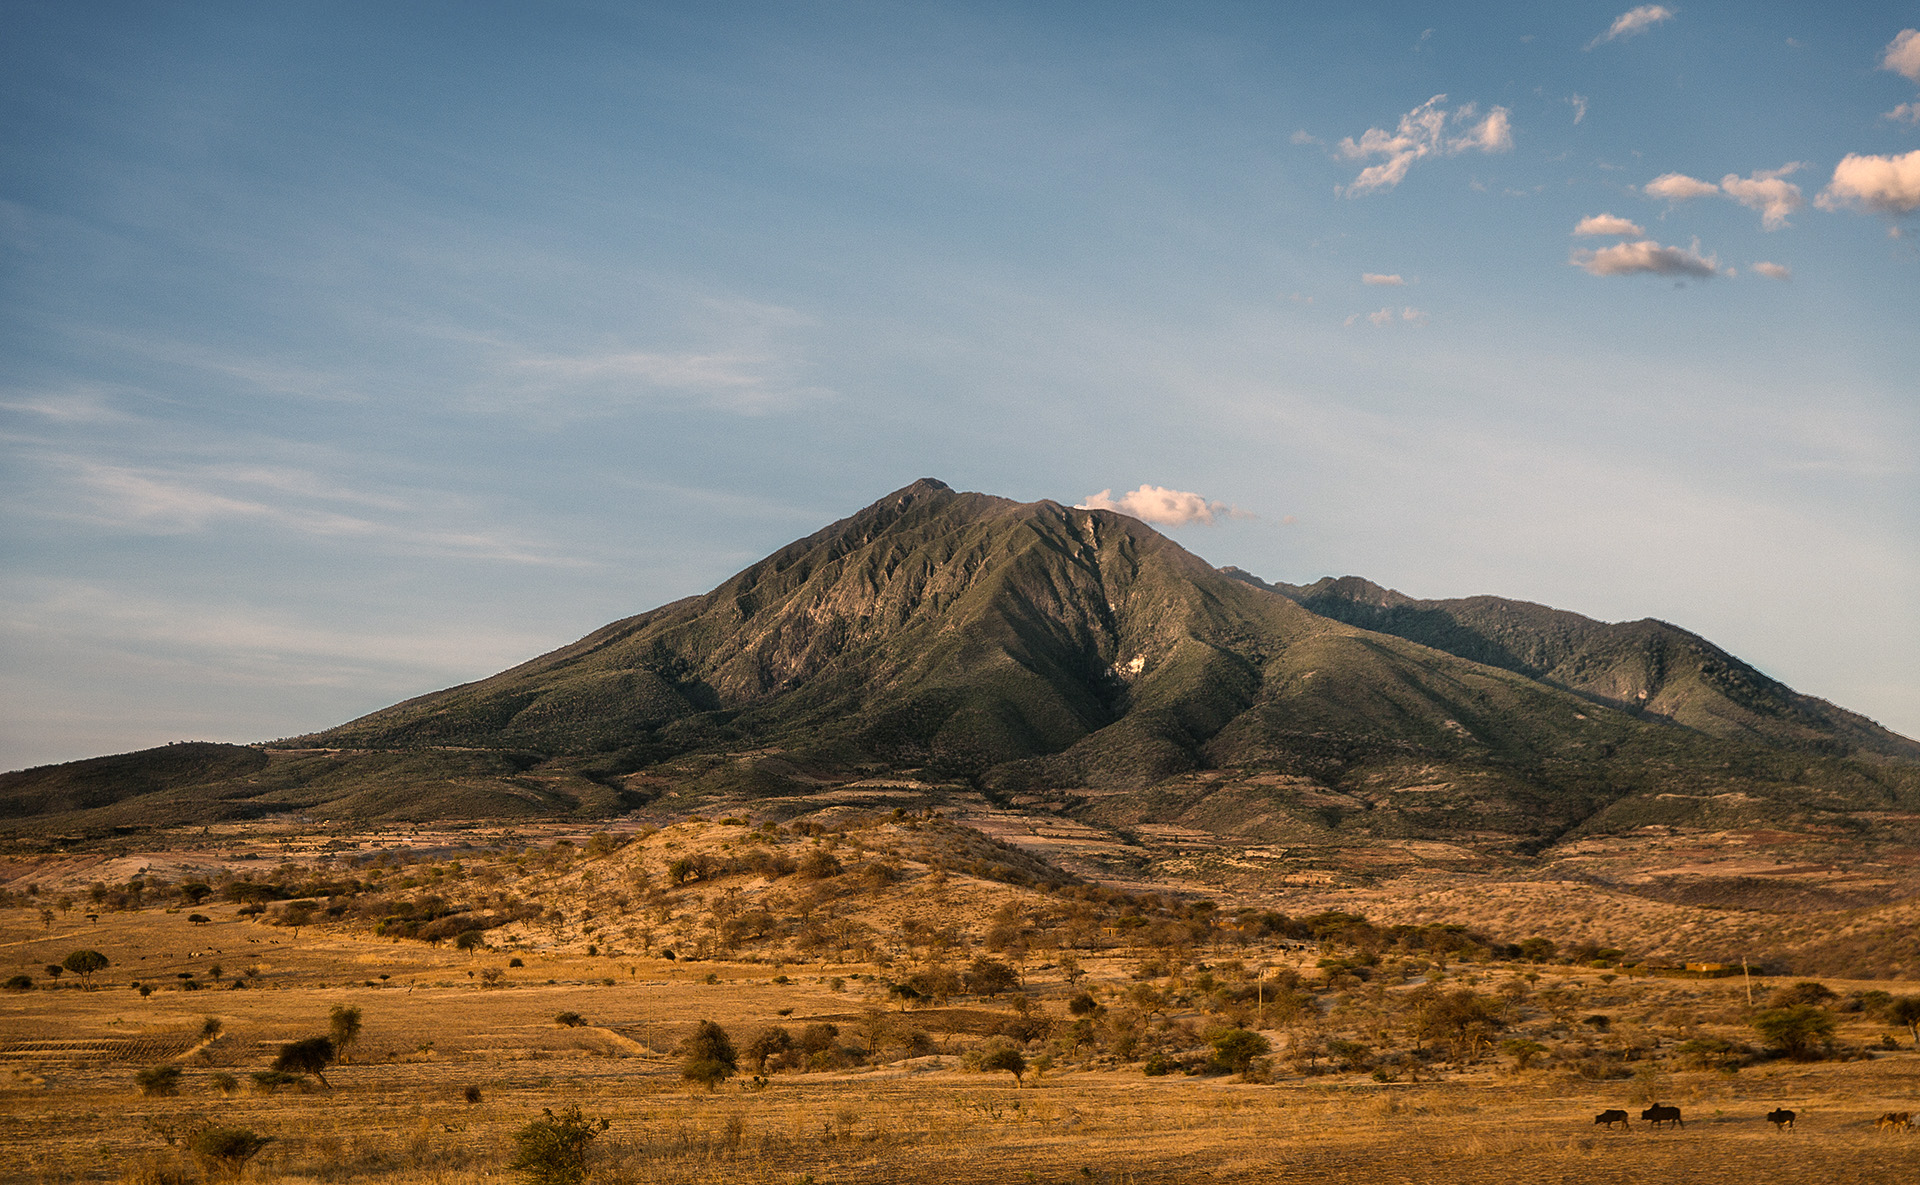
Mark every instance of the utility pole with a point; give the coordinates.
(1748, 976)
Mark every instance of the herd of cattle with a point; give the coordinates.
(1779, 1117)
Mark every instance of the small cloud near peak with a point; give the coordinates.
(1774, 271)
(1678, 187)
(1158, 504)
(1606, 224)
(1378, 280)
(1633, 22)
(1646, 257)
(1903, 54)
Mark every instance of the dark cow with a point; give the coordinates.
(1780, 1117)
(1609, 1118)
(1899, 1121)
(1658, 1114)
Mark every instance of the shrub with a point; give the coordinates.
(343, 1027)
(516, 961)
(20, 983)
(1807, 991)
(1235, 1049)
(570, 1020)
(1082, 1004)
(224, 1082)
(707, 1057)
(472, 1095)
(553, 1150)
(158, 1081)
(269, 1081)
(226, 1149)
(1800, 1032)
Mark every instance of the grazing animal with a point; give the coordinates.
(1780, 1117)
(1658, 1114)
(1897, 1120)
(1609, 1118)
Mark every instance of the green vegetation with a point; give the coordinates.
(309, 1055)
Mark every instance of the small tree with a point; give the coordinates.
(1797, 1031)
(1006, 1057)
(768, 1043)
(1905, 1010)
(707, 1057)
(310, 1055)
(1235, 1049)
(85, 963)
(470, 941)
(553, 1150)
(990, 977)
(343, 1026)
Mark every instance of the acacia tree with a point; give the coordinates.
(84, 963)
(310, 1055)
(1005, 1057)
(1796, 1031)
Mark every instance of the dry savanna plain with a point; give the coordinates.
(880, 996)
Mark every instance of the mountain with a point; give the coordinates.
(1026, 648)
(1647, 667)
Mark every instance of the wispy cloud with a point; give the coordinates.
(1774, 271)
(1606, 224)
(1424, 132)
(1904, 113)
(1382, 281)
(1579, 107)
(1381, 318)
(1767, 192)
(1633, 22)
(1158, 504)
(1646, 257)
(1678, 187)
(1874, 184)
(191, 499)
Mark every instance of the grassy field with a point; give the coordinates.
(398, 1110)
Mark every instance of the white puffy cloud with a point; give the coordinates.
(1422, 132)
(1766, 192)
(1876, 184)
(1903, 54)
(1375, 278)
(1626, 259)
(1678, 187)
(1158, 504)
(1633, 21)
(1774, 271)
(1606, 224)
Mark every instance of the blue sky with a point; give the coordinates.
(348, 351)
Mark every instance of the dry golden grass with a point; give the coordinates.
(397, 1114)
